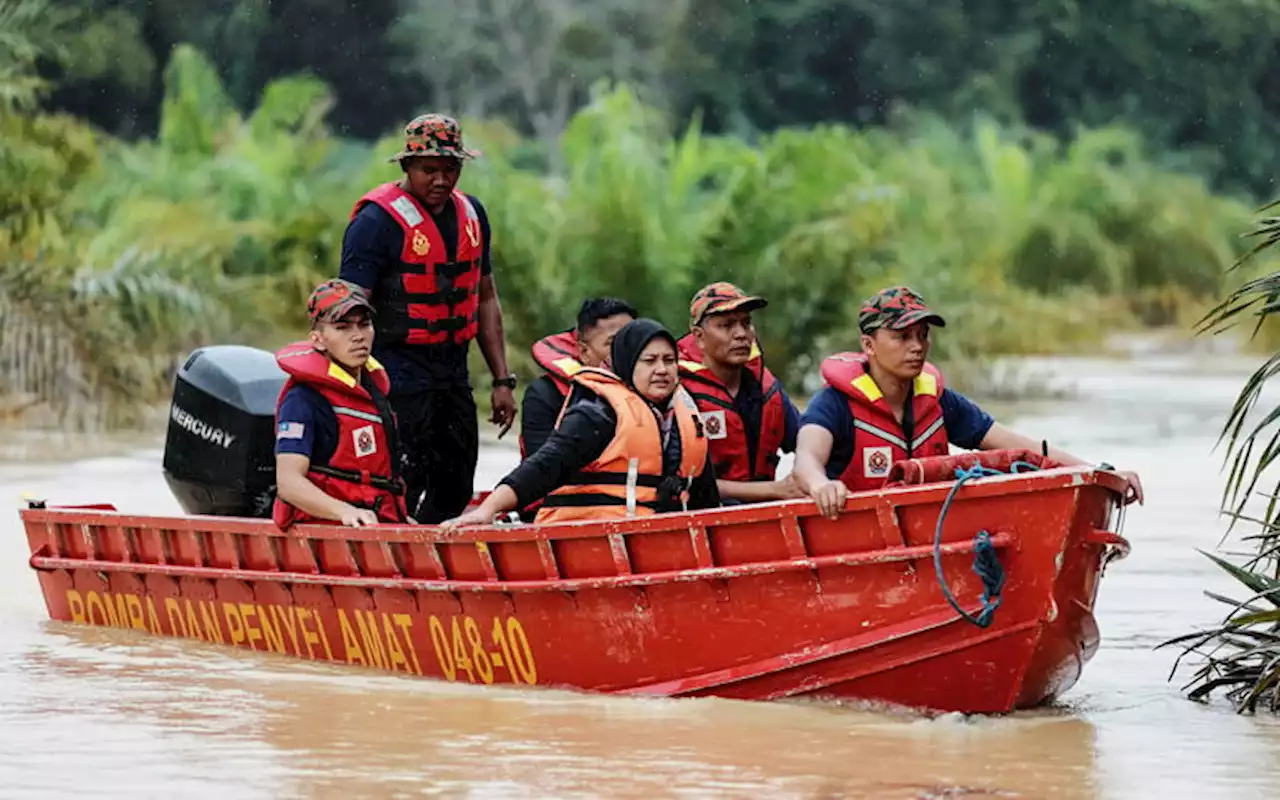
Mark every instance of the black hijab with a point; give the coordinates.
(629, 342)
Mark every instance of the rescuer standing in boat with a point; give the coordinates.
(747, 415)
(336, 445)
(561, 355)
(626, 446)
(422, 249)
(888, 403)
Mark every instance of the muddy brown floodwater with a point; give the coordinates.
(88, 712)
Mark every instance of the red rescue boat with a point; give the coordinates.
(755, 602)
(967, 583)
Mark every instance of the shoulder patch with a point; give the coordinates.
(713, 422)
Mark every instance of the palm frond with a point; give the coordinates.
(29, 30)
(1241, 657)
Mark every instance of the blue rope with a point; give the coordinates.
(985, 561)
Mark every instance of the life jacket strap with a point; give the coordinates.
(351, 476)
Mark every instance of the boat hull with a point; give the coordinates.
(758, 602)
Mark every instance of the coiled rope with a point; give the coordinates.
(985, 561)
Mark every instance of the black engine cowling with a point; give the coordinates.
(219, 449)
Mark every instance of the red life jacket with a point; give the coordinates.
(558, 355)
(428, 299)
(726, 432)
(878, 439)
(362, 470)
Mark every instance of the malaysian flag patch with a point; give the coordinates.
(290, 430)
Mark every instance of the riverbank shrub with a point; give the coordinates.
(216, 230)
(1240, 657)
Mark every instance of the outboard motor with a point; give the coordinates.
(219, 452)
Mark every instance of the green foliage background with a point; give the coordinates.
(121, 249)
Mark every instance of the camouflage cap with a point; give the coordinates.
(720, 298)
(433, 135)
(896, 308)
(334, 299)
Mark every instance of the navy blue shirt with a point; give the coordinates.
(373, 244)
(306, 425)
(966, 423)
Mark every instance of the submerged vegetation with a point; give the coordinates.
(1240, 657)
(117, 258)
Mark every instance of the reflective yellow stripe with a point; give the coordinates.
(867, 385)
(338, 373)
(569, 366)
(926, 384)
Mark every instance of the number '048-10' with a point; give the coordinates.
(462, 650)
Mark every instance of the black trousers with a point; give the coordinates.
(440, 441)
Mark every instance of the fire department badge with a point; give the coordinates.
(713, 422)
(421, 244)
(876, 461)
(365, 443)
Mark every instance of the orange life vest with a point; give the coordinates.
(361, 470)
(878, 438)
(726, 431)
(600, 490)
(428, 299)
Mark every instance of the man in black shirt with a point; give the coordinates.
(561, 355)
(422, 250)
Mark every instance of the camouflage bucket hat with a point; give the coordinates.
(434, 135)
(896, 308)
(720, 298)
(334, 299)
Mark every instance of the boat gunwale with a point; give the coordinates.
(42, 562)
(894, 496)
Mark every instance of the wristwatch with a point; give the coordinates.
(508, 381)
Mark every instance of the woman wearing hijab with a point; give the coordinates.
(629, 443)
